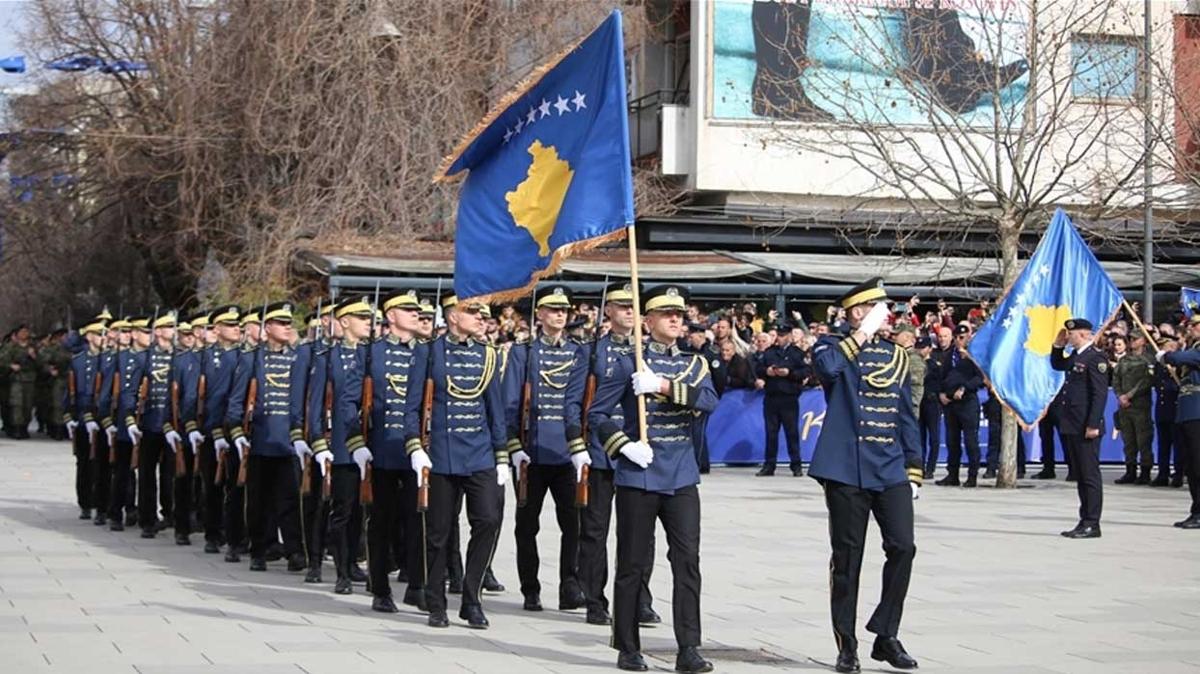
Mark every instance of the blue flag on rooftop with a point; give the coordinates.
(550, 171)
(1189, 301)
(1062, 280)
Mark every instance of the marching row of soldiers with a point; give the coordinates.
(310, 442)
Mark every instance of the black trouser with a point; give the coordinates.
(234, 502)
(560, 482)
(122, 493)
(156, 468)
(1085, 462)
(931, 431)
(272, 504)
(1189, 436)
(962, 422)
(184, 481)
(211, 494)
(485, 506)
(593, 543)
(995, 414)
(1165, 429)
(101, 473)
(454, 558)
(343, 530)
(781, 410)
(700, 437)
(84, 476)
(637, 513)
(394, 511)
(849, 508)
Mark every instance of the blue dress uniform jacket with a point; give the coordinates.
(1166, 395)
(186, 375)
(391, 368)
(668, 418)
(467, 432)
(156, 410)
(85, 367)
(1085, 391)
(610, 350)
(218, 365)
(1187, 363)
(557, 373)
(130, 365)
(870, 437)
(277, 419)
(342, 366)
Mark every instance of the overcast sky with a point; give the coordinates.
(10, 16)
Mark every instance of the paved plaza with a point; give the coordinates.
(995, 589)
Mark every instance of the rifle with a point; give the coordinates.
(589, 391)
(423, 492)
(201, 394)
(426, 433)
(92, 439)
(252, 393)
(327, 412)
(306, 471)
(143, 391)
(366, 493)
(527, 406)
(173, 391)
(581, 488)
(116, 391)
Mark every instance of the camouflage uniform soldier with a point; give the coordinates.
(1132, 382)
(55, 361)
(19, 358)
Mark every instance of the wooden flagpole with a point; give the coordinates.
(638, 359)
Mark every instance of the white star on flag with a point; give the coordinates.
(1045, 270)
(544, 108)
(520, 125)
(508, 134)
(531, 116)
(562, 106)
(1007, 323)
(578, 101)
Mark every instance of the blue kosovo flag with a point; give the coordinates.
(549, 171)
(1062, 280)
(1189, 301)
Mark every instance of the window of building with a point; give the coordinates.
(1105, 68)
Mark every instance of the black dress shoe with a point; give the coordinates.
(131, 519)
(1192, 522)
(343, 586)
(928, 474)
(258, 564)
(116, 525)
(889, 650)
(571, 598)
(490, 584)
(1044, 475)
(182, 539)
(970, 483)
(438, 619)
(1177, 480)
(232, 557)
(797, 471)
(948, 481)
(100, 520)
(474, 616)
(688, 660)
(532, 603)
(598, 616)
(765, 471)
(1083, 531)
(631, 662)
(1161, 480)
(384, 605)
(989, 474)
(648, 616)
(1071, 477)
(85, 513)
(313, 575)
(148, 533)
(162, 525)
(847, 661)
(356, 574)
(274, 553)
(211, 547)
(297, 562)
(415, 596)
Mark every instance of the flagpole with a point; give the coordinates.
(631, 236)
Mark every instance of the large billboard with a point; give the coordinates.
(868, 61)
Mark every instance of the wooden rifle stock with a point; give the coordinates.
(306, 477)
(427, 414)
(143, 391)
(581, 488)
(366, 492)
(241, 476)
(201, 393)
(116, 391)
(522, 485)
(92, 437)
(219, 478)
(589, 395)
(247, 416)
(327, 482)
(180, 459)
(523, 433)
(423, 491)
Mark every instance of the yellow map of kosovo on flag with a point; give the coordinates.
(1044, 324)
(536, 202)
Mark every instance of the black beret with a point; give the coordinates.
(1078, 324)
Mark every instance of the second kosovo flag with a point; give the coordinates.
(549, 171)
(1062, 280)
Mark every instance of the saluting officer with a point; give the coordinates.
(1188, 415)
(1081, 418)
(656, 476)
(603, 357)
(276, 419)
(218, 364)
(868, 460)
(80, 409)
(467, 453)
(543, 393)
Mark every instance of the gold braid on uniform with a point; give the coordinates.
(896, 370)
(546, 374)
(489, 368)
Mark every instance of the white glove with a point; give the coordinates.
(196, 438)
(173, 439)
(639, 453)
(916, 490)
(135, 433)
(362, 456)
(92, 428)
(646, 381)
(519, 458)
(579, 460)
(243, 447)
(220, 445)
(71, 425)
(320, 458)
(420, 459)
(874, 319)
(1158, 355)
(502, 474)
(111, 432)
(302, 449)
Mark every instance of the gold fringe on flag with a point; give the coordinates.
(561, 253)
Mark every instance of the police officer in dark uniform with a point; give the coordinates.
(1166, 401)
(784, 370)
(656, 475)
(1081, 417)
(960, 400)
(868, 460)
(1187, 362)
(936, 368)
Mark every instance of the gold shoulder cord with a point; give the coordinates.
(891, 373)
(546, 374)
(489, 368)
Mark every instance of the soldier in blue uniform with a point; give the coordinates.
(272, 486)
(394, 514)
(545, 432)
(1187, 414)
(959, 395)
(467, 453)
(218, 364)
(1081, 417)
(118, 402)
(102, 467)
(656, 475)
(79, 405)
(185, 391)
(603, 356)
(233, 507)
(868, 460)
(154, 432)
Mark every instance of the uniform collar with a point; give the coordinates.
(659, 348)
(556, 342)
(465, 341)
(620, 339)
(1083, 348)
(396, 341)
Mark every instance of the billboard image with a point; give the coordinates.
(867, 61)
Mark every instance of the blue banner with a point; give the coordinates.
(737, 434)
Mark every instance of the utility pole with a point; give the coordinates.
(1147, 175)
